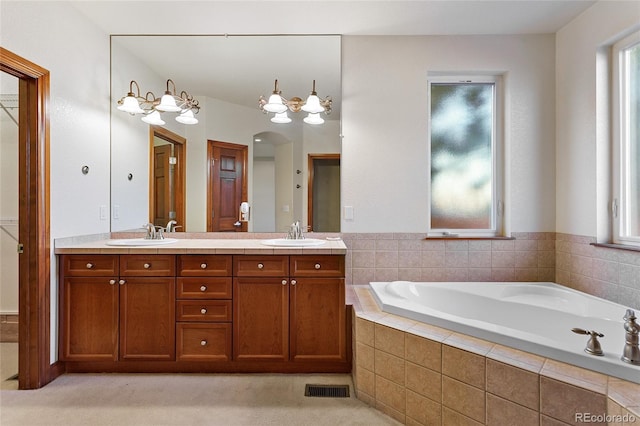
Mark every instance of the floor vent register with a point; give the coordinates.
(327, 391)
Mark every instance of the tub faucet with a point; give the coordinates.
(631, 352)
(593, 345)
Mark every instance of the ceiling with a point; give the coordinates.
(202, 69)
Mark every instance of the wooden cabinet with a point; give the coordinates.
(117, 307)
(297, 316)
(204, 308)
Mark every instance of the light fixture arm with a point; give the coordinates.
(167, 92)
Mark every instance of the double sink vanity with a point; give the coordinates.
(203, 305)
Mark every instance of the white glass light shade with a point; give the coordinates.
(153, 118)
(168, 103)
(187, 118)
(313, 105)
(131, 105)
(281, 118)
(313, 118)
(275, 104)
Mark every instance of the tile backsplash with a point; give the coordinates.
(569, 260)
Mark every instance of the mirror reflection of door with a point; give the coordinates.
(324, 193)
(167, 183)
(226, 186)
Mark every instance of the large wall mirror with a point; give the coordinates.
(287, 172)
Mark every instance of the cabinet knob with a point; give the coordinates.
(147, 265)
(203, 343)
(260, 265)
(89, 265)
(112, 282)
(203, 266)
(294, 282)
(121, 282)
(317, 266)
(284, 282)
(203, 288)
(203, 311)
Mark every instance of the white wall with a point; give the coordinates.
(582, 132)
(384, 146)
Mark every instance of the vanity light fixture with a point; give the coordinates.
(151, 106)
(279, 105)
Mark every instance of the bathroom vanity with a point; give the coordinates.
(203, 306)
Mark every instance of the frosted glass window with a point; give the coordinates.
(626, 115)
(462, 156)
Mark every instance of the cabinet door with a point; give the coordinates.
(261, 319)
(147, 318)
(89, 319)
(317, 319)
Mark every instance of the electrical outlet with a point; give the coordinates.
(116, 211)
(103, 212)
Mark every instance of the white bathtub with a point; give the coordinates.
(535, 317)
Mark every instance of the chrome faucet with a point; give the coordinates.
(631, 352)
(171, 226)
(151, 231)
(295, 231)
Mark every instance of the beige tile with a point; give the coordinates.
(514, 384)
(563, 401)
(427, 383)
(631, 416)
(389, 411)
(550, 421)
(390, 394)
(625, 393)
(366, 398)
(389, 366)
(365, 332)
(423, 410)
(389, 340)
(464, 366)
(452, 418)
(517, 358)
(463, 398)
(502, 412)
(615, 413)
(422, 351)
(526, 274)
(479, 259)
(366, 381)
(468, 343)
(365, 356)
(396, 322)
(577, 376)
(430, 332)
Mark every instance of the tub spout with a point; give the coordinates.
(593, 345)
(631, 352)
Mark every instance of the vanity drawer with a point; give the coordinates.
(204, 288)
(317, 266)
(203, 342)
(205, 310)
(148, 265)
(195, 265)
(90, 265)
(261, 266)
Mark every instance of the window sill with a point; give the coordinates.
(617, 246)
(440, 237)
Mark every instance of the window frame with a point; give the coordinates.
(620, 123)
(497, 148)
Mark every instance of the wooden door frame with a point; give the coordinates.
(211, 144)
(310, 169)
(180, 151)
(34, 265)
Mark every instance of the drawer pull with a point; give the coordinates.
(284, 282)
(203, 266)
(317, 266)
(121, 282)
(89, 265)
(112, 282)
(203, 343)
(294, 282)
(203, 311)
(260, 265)
(147, 265)
(203, 288)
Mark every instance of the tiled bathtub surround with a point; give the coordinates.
(411, 257)
(604, 272)
(425, 375)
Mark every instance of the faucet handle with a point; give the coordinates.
(593, 345)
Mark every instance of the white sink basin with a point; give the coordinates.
(283, 242)
(140, 242)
